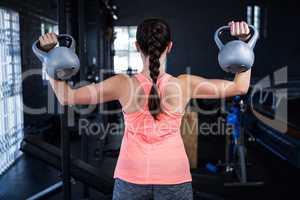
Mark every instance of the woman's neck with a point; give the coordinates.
(146, 71)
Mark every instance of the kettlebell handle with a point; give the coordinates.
(68, 38)
(251, 42)
(42, 54)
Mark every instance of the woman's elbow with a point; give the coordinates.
(64, 101)
(67, 99)
(242, 90)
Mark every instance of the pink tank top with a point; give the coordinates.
(152, 151)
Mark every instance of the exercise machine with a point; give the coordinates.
(235, 147)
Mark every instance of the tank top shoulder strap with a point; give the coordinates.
(162, 82)
(144, 81)
(163, 79)
(141, 78)
(147, 83)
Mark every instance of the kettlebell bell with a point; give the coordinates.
(236, 56)
(61, 62)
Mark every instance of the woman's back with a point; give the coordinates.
(152, 147)
(171, 93)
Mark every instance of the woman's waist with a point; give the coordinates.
(154, 136)
(148, 126)
(171, 147)
(156, 166)
(154, 159)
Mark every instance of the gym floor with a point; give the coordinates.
(31, 176)
(32, 124)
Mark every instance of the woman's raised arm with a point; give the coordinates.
(107, 90)
(199, 87)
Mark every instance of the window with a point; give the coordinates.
(254, 15)
(47, 27)
(256, 21)
(11, 114)
(126, 56)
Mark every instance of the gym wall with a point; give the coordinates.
(278, 48)
(194, 23)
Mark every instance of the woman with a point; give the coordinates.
(153, 163)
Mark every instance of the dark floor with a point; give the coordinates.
(29, 176)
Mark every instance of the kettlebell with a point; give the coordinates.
(61, 62)
(236, 56)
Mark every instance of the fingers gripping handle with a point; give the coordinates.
(42, 55)
(251, 42)
(38, 52)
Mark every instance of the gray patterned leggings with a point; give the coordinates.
(129, 191)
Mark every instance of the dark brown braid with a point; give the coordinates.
(153, 37)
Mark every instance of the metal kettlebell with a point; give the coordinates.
(61, 62)
(236, 56)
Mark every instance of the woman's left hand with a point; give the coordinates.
(240, 30)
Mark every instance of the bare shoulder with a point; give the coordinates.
(115, 82)
(120, 80)
(173, 79)
(189, 78)
(179, 86)
(121, 77)
(124, 82)
(183, 78)
(177, 82)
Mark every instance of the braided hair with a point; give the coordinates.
(153, 37)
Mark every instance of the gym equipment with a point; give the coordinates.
(212, 168)
(236, 165)
(61, 62)
(236, 56)
(237, 151)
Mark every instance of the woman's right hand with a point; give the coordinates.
(48, 41)
(240, 30)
